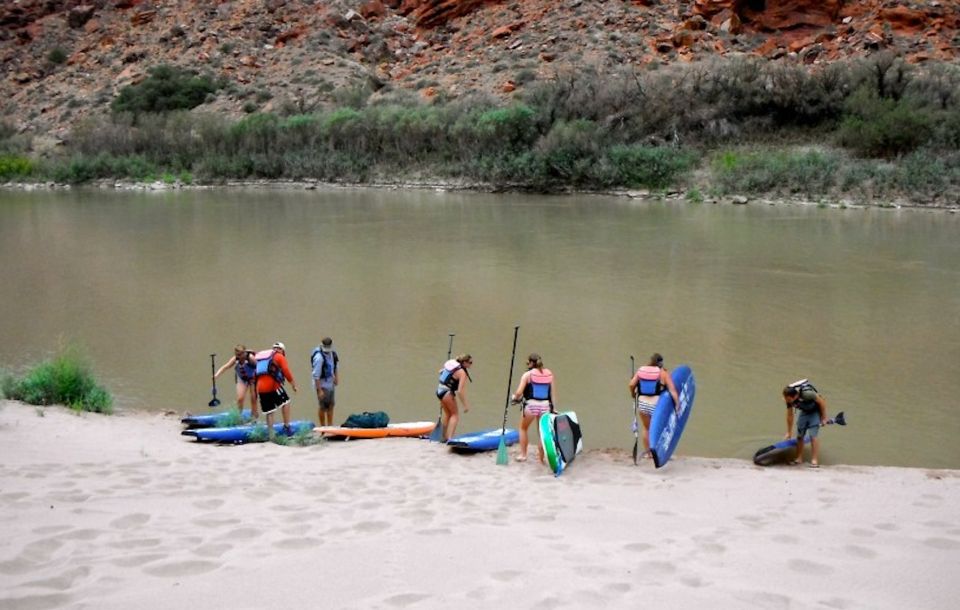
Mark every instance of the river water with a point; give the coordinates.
(866, 303)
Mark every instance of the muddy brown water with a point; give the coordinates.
(866, 303)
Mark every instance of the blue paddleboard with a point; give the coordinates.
(776, 452)
(209, 420)
(241, 434)
(482, 440)
(665, 425)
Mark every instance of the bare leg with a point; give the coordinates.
(525, 421)
(645, 418)
(241, 393)
(270, 424)
(449, 404)
(799, 458)
(815, 451)
(254, 404)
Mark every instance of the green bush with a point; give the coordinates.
(15, 166)
(650, 166)
(883, 127)
(67, 379)
(167, 88)
(57, 56)
(777, 172)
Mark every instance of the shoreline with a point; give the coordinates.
(454, 186)
(117, 511)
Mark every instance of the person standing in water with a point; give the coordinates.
(245, 369)
(454, 379)
(537, 393)
(651, 380)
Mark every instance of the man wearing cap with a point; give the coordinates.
(326, 377)
(272, 371)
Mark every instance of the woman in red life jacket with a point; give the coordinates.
(537, 392)
(454, 379)
(646, 386)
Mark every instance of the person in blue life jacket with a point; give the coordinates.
(537, 393)
(804, 398)
(646, 386)
(453, 381)
(325, 363)
(245, 370)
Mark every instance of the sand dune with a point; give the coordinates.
(122, 512)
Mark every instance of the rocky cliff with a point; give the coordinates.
(61, 60)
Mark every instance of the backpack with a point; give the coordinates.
(378, 419)
(320, 365)
(266, 365)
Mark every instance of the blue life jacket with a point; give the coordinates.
(266, 366)
(324, 364)
(649, 383)
(245, 371)
(539, 385)
(447, 375)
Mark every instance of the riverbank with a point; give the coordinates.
(693, 195)
(121, 511)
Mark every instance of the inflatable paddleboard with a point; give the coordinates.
(666, 425)
(483, 440)
(406, 429)
(241, 434)
(561, 439)
(777, 452)
(209, 420)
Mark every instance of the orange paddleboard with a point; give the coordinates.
(419, 428)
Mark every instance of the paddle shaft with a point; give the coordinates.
(513, 355)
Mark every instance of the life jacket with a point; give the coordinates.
(539, 385)
(266, 365)
(324, 364)
(806, 404)
(246, 372)
(649, 383)
(447, 375)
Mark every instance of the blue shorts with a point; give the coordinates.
(808, 424)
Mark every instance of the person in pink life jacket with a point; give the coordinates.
(650, 380)
(454, 378)
(537, 392)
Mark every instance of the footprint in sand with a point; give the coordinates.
(786, 539)
(860, 551)
(507, 575)
(369, 527)
(660, 568)
(944, 544)
(299, 542)
(211, 504)
(887, 527)
(243, 533)
(10, 498)
(437, 531)
(406, 599)
(215, 549)
(837, 602)
(805, 566)
(693, 581)
(130, 521)
(37, 602)
(61, 582)
(859, 531)
(135, 561)
(173, 569)
(136, 543)
(618, 587)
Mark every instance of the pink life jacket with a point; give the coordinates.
(539, 385)
(649, 381)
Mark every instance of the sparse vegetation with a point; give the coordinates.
(167, 88)
(896, 129)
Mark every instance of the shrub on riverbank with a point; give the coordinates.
(583, 129)
(13, 167)
(66, 379)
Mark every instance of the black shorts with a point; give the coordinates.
(271, 401)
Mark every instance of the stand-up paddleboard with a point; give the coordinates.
(666, 425)
(209, 420)
(777, 452)
(787, 449)
(242, 434)
(561, 439)
(406, 429)
(483, 440)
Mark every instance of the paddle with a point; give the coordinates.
(502, 457)
(838, 419)
(636, 424)
(437, 434)
(213, 371)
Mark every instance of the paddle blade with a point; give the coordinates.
(502, 458)
(436, 435)
(635, 445)
(839, 419)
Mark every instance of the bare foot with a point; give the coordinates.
(520, 458)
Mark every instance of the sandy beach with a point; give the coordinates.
(122, 512)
